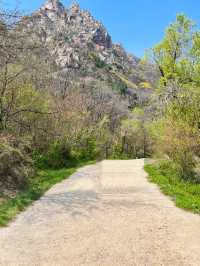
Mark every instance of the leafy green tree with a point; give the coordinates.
(177, 133)
(173, 54)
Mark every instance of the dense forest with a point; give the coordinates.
(50, 120)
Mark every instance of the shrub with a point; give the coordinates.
(87, 149)
(57, 156)
(15, 164)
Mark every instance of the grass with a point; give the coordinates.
(185, 194)
(36, 187)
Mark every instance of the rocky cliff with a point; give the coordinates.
(82, 49)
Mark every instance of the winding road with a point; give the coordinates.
(106, 214)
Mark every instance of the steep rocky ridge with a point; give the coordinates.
(83, 50)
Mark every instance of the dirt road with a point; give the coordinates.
(107, 214)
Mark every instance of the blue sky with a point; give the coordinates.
(137, 24)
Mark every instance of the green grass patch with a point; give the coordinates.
(185, 194)
(36, 187)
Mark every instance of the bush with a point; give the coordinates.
(15, 164)
(58, 156)
(87, 149)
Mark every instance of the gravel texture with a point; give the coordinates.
(106, 214)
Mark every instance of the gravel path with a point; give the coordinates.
(106, 214)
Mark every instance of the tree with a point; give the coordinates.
(177, 128)
(21, 69)
(135, 137)
(172, 55)
(177, 133)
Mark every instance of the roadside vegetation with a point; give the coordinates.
(47, 122)
(44, 137)
(185, 193)
(34, 189)
(176, 129)
(50, 125)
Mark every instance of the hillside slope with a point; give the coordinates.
(83, 51)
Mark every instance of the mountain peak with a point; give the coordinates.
(80, 45)
(75, 8)
(53, 5)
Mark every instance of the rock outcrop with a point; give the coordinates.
(66, 31)
(82, 48)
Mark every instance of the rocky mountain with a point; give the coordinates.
(83, 50)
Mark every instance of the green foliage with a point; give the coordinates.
(87, 150)
(91, 152)
(87, 144)
(120, 86)
(15, 163)
(186, 194)
(186, 108)
(34, 190)
(135, 133)
(177, 133)
(26, 106)
(173, 54)
(118, 153)
(57, 156)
